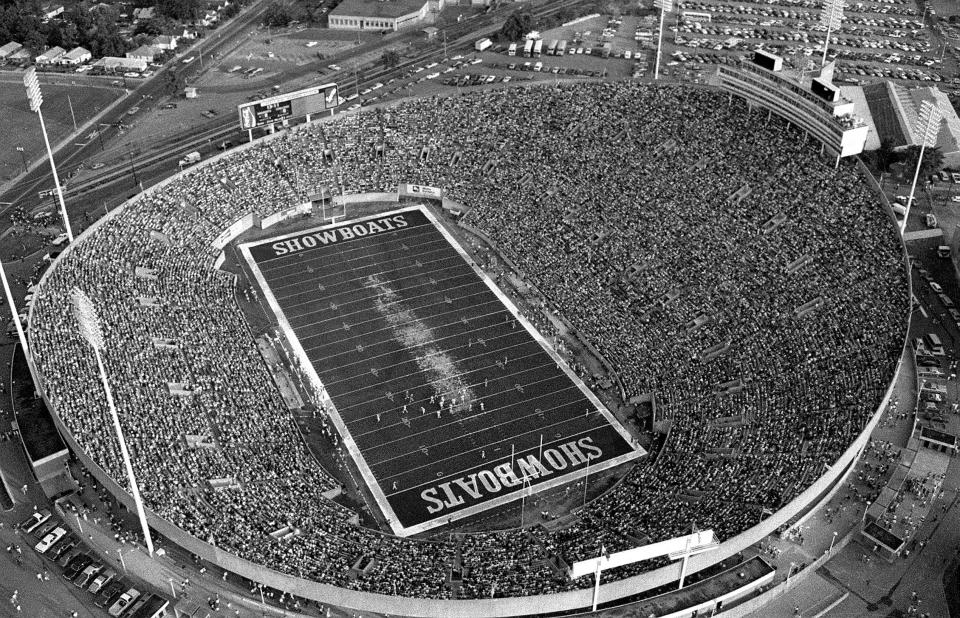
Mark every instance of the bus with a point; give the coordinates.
(561, 48)
(528, 48)
(537, 48)
(552, 48)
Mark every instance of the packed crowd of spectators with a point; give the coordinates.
(613, 200)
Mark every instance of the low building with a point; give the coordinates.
(209, 18)
(144, 52)
(121, 65)
(165, 42)
(77, 55)
(896, 108)
(145, 13)
(50, 56)
(51, 10)
(10, 48)
(377, 15)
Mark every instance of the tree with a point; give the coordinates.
(885, 155)
(516, 26)
(152, 26)
(175, 83)
(180, 10)
(390, 58)
(932, 161)
(277, 16)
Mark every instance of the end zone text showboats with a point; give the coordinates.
(448, 400)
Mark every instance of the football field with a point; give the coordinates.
(448, 400)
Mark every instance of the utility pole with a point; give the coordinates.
(23, 158)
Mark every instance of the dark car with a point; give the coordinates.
(86, 575)
(41, 531)
(110, 594)
(68, 556)
(76, 565)
(64, 547)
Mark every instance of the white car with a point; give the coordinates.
(936, 287)
(48, 541)
(955, 198)
(433, 75)
(189, 60)
(124, 601)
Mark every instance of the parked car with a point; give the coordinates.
(68, 556)
(86, 576)
(108, 595)
(50, 539)
(65, 546)
(125, 599)
(79, 563)
(34, 521)
(100, 581)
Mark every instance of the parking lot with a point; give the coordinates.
(876, 39)
(63, 554)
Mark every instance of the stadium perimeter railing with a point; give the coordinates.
(475, 608)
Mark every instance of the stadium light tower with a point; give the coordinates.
(665, 6)
(89, 323)
(928, 125)
(32, 83)
(831, 17)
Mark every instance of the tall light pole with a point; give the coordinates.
(32, 84)
(89, 323)
(16, 316)
(831, 17)
(928, 125)
(665, 7)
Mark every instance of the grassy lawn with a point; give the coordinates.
(23, 128)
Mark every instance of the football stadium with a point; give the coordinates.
(656, 309)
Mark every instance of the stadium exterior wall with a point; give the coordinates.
(478, 608)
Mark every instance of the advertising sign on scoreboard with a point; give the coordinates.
(297, 104)
(430, 193)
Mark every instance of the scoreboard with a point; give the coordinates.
(297, 104)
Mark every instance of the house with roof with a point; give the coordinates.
(165, 42)
(144, 13)
(145, 52)
(50, 56)
(51, 10)
(77, 55)
(9, 48)
(121, 65)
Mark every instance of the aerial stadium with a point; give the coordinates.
(654, 308)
